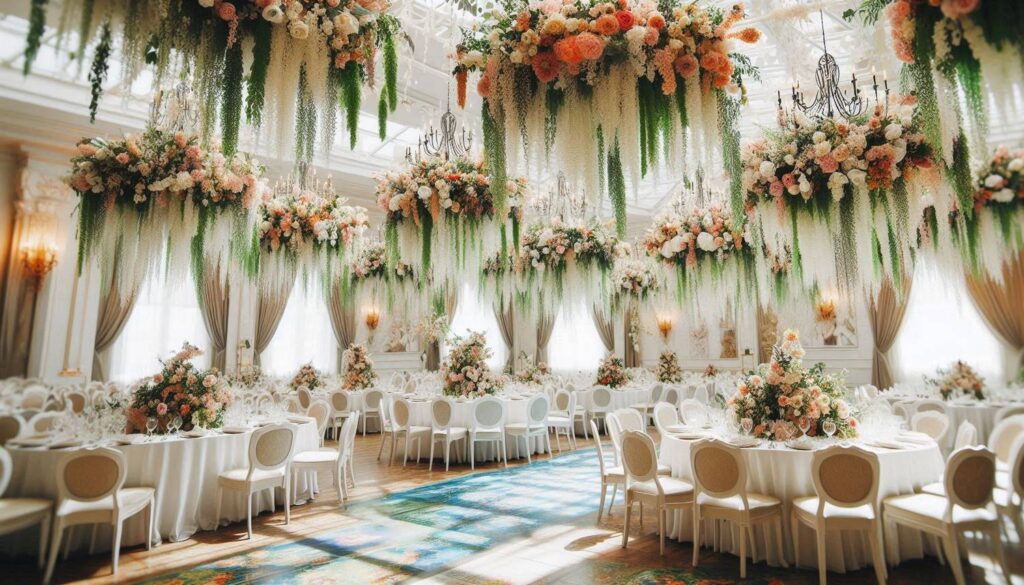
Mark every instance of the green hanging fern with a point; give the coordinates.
(728, 115)
(351, 96)
(960, 176)
(390, 71)
(382, 113)
(617, 189)
(36, 27)
(494, 158)
(98, 71)
(85, 28)
(256, 84)
(231, 100)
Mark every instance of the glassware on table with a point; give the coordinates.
(176, 423)
(747, 425)
(151, 425)
(805, 425)
(829, 427)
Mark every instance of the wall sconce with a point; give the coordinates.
(372, 321)
(664, 327)
(38, 260)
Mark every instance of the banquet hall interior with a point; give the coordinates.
(512, 291)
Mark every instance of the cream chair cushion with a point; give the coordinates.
(934, 507)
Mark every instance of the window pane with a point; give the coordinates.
(942, 326)
(303, 336)
(575, 345)
(476, 314)
(163, 319)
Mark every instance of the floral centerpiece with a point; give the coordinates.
(465, 371)
(958, 380)
(143, 199)
(300, 228)
(710, 371)
(778, 397)
(637, 75)
(668, 371)
(441, 215)
(180, 390)
(307, 377)
(561, 262)
(358, 368)
(532, 373)
(635, 280)
(248, 377)
(264, 58)
(993, 232)
(704, 249)
(840, 194)
(612, 372)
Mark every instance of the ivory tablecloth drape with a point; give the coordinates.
(786, 474)
(620, 398)
(462, 416)
(184, 473)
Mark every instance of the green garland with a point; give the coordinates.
(98, 71)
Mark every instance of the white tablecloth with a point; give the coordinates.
(620, 398)
(184, 473)
(786, 474)
(981, 415)
(462, 416)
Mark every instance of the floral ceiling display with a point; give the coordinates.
(375, 278)
(992, 231)
(288, 66)
(443, 218)
(609, 90)
(157, 200)
(634, 281)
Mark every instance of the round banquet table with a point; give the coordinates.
(620, 398)
(980, 414)
(184, 472)
(786, 474)
(462, 416)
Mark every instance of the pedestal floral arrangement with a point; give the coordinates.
(465, 371)
(358, 368)
(162, 200)
(180, 390)
(248, 377)
(441, 216)
(958, 380)
(585, 81)
(843, 196)
(706, 252)
(307, 377)
(668, 371)
(293, 64)
(532, 373)
(776, 397)
(611, 372)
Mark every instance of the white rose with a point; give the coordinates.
(206, 3)
(424, 192)
(677, 243)
(893, 131)
(1003, 196)
(706, 242)
(766, 168)
(818, 137)
(993, 181)
(1015, 165)
(298, 29)
(857, 177)
(273, 13)
(822, 148)
(790, 159)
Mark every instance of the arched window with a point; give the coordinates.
(161, 321)
(942, 326)
(476, 314)
(575, 345)
(303, 336)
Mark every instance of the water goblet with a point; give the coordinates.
(748, 425)
(150, 426)
(829, 427)
(176, 423)
(805, 425)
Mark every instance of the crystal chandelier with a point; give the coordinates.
(562, 201)
(447, 144)
(174, 110)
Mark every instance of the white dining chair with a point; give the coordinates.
(34, 397)
(846, 479)
(700, 395)
(340, 409)
(969, 480)
(536, 426)
(671, 396)
(646, 486)
(646, 407)
(11, 427)
(487, 426)
(633, 422)
(932, 423)
(560, 423)
(76, 401)
(611, 474)
(305, 397)
(966, 435)
(580, 414)
(387, 430)
(630, 419)
(328, 460)
(1003, 437)
(403, 429)
(665, 416)
(1009, 496)
(693, 412)
(90, 491)
(270, 455)
(16, 514)
(929, 405)
(371, 408)
(720, 493)
(1007, 412)
(601, 399)
(320, 411)
(441, 413)
(44, 422)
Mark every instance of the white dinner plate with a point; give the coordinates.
(65, 444)
(800, 445)
(885, 444)
(30, 442)
(236, 430)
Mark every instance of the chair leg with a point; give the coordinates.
(248, 516)
(504, 450)
(150, 518)
(472, 454)
(447, 454)
(433, 441)
(383, 437)
(696, 534)
(547, 445)
(351, 469)
(288, 502)
(779, 548)
(92, 540)
(615, 492)
(625, 524)
(56, 534)
(949, 543)
(558, 439)
(997, 550)
(822, 566)
(794, 533)
(878, 528)
(67, 542)
(44, 537)
(743, 555)
(876, 557)
(600, 508)
(115, 554)
(661, 530)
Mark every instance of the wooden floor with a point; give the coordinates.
(578, 554)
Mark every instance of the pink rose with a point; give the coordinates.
(828, 164)
(161, 409)
(776, 189)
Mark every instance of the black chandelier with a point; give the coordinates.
(446, 144)
(830, 100)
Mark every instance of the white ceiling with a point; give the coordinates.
(56, 94)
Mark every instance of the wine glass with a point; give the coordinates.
(150, 426)
(176, 423)
(805, 425)
(829, 427)
(748, 425)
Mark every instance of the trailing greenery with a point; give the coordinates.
(617, 189)
(256, 83)
(98, 71)
(231, 100)
(36, 27)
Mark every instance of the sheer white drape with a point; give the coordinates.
(303, 336)
(476, 314)
(940, 327)
(164, 317)
(575, 344)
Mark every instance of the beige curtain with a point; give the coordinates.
(18, 311)
(632, 353)
(605, 327)
(545, 325)
(886, 311)
(767, 333)
(270, 307)
(505, 317)
(1002, 304)
(343, 320)
(451, 303)
(113, 316)
(214, 298)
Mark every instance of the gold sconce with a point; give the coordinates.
(664, 327)
(372, 321)
(37, 250)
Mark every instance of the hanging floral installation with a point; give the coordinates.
(610, 89)
(161, 201)
(306, 231)
(375, 278)
(840, 196)
(634, 282)
(992, 233)
(288, 65)
(498, 278)
(442, 218)
(563, 263)
(706, 251)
